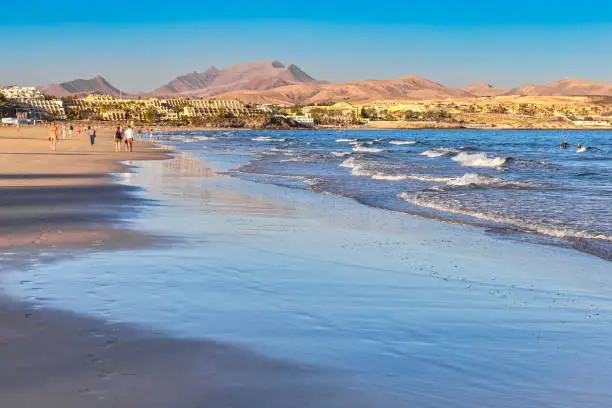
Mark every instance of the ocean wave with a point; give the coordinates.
(369, 170)
(295, 159)
(480, 160)
(341, 154)
(439, 152)
(365, 149)
(483, 180)
(268, 139)
(533, 226)
(403, 142)
(346, 140)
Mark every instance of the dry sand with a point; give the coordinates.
(65, 200)
(50, 199)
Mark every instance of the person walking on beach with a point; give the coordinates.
(78, 129)
(64, 130)
(139, 133)
(71, 131)
(129, 139)
(118, 139)
(92, 136)
(151, 135)
(53, 136)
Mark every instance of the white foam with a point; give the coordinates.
(484, 180)
(345, 140)
(364, 149)
(479, 160)
(359, 169)
(582, 150)
(340, 154)
(293, 159)
(268, 139)
(403, 142)
(439, 152)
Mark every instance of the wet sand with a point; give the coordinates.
(65, 204)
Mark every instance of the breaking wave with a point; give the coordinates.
(439, 152)
(426, 200)
(268, 139)
(480, 160)
(370, 170)
(341, 154)
(364, 149)
(483, 180)
(403, 142)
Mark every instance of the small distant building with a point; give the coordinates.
(303, 120)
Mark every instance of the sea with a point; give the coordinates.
(519, 183)
(421, 268)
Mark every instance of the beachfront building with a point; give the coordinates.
(113, 114)
(303, 120)
(107, 107)
(34, 103)
(338, 113)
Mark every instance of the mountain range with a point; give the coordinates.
(273, 82)
(79, 87)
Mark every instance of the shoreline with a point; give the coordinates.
(384, 125)
(55, 358)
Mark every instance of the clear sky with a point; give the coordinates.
(139, 45)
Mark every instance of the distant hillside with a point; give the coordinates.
(410, 87)
(81, 87)
(566, 87)
(251, 76)
(484, 89)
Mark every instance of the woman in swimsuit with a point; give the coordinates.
(118, 138)
(53, 136)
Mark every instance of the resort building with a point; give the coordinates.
(303, 120)
(34, 103)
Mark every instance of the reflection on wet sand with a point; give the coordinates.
(185, 178)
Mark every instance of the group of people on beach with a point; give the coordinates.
(126, 135)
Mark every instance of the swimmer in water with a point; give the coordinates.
(579, 146)
(564, 144)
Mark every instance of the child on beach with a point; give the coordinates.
(118, 138)
(53, 136)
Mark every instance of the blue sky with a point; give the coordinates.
(139, 45)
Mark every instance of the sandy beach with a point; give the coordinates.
(53, 199)
(62, 204)
(178, 283)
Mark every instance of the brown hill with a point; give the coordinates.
(410, 87)
(251, 76)
(566, 87)
(81, 87)
(484, 89)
